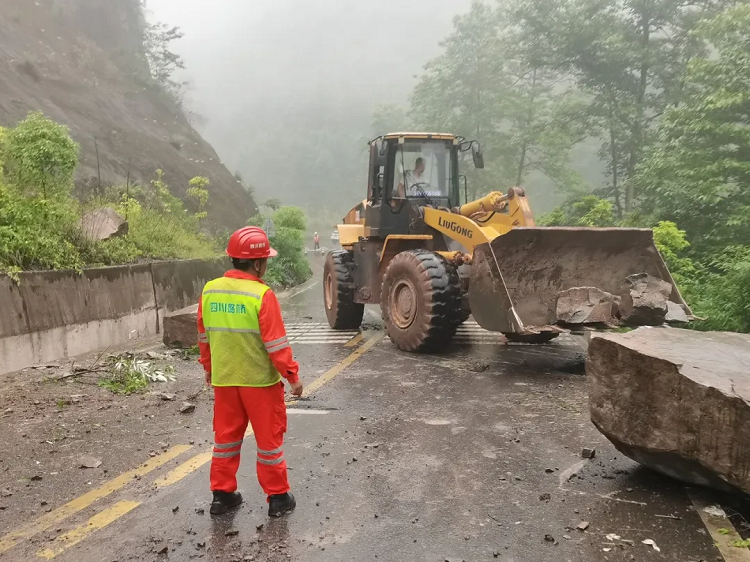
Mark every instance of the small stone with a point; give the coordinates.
(583, 525)
(362, 418)
(231, 533)
(6, 493)
(163, 549)
(587, 453)
(259, 527)
(549, 470)
(549, 538)
(200, 510)
(567, 537)
(36, 478)
(191, 441)
(201, 544)
(167, 396)
(545, 497)
(175, 509)
(87, 461)
(187, 408)
(43, 502)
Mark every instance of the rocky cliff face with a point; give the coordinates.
(81, 62)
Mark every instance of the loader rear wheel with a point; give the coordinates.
(420, 301)
(338, 292)
(542, 337)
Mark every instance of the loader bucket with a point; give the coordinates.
(515, 278)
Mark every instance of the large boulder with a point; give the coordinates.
(643, 300)
(586, 305)
(181, 327)
(103, 224)
(677, 401)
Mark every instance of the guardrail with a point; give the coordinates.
(52, 315)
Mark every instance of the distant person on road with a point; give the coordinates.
(316, 241)
(245, 352)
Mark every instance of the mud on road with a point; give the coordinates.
(471, 454)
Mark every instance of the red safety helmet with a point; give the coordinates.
(250, 243)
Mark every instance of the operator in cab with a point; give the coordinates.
(413, 178)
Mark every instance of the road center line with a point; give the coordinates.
(355, 340)
(98, 521)
(194, 463)
(74, 506)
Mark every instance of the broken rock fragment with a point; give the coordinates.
(643, 300)
(180, 327)
(586, 305)
(677, 401)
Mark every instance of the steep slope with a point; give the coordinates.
(82, 63)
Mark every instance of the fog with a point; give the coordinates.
(277, 81)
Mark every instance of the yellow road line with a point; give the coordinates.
(178, 473)
(98, 521)
(719, 527)
(355, 340)
(194, 463)
(55, 516)
(359, 352)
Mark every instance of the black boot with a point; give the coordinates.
(279, 504)
(224, 501)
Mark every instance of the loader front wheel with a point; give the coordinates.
(338, 292)
(420, 301)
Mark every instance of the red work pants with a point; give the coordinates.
(264, 408)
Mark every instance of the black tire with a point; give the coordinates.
(420, 300)
(338, 292)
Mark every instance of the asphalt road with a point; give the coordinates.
(472, 454)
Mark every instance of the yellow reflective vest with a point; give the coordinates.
(231, 308)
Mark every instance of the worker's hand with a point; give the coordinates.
(208, 378)
(296, 388)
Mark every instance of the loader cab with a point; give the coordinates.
(408, 171)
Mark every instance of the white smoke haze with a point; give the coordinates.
(287, 86)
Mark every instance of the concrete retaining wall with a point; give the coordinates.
(51, 315)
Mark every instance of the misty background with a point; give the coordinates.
(284, 88)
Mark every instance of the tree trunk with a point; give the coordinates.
(526, 124)
(637, 126)
(615, 160)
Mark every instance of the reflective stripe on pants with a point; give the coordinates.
(264, 408)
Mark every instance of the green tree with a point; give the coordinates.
(491, 83)
(274, 204)
(198, 191)
(699, 176)
(627, 56)
(40, 157)
(162, 61)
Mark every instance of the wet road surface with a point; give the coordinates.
(473, 454)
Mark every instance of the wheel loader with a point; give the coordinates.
(430, 258)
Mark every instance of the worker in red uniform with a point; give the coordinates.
(245, 352)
